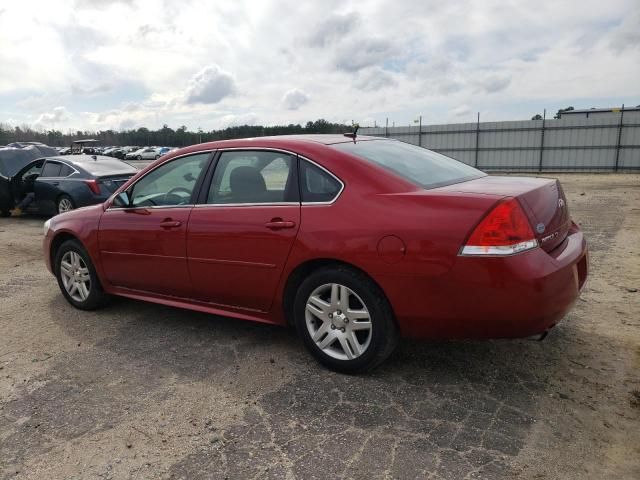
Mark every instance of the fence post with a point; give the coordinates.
(475, 164)
(386, 128)
(544, 119)
(620, 126)
(420, 132)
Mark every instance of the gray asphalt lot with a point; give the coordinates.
(144, 391)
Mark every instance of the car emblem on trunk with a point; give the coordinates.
(560, 203)
(540, 228)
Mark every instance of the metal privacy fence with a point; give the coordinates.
(597, 143)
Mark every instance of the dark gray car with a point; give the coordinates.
(64, 183)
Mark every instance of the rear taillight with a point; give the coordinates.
(504, 231)
(93, 186)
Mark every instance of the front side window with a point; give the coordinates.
(253, 177)
(51, 170)
(317, 185)
(170, 184)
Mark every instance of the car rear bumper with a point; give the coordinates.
(499, 297)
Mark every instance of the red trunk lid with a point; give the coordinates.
(542, 199)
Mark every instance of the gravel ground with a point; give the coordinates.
(144, 391)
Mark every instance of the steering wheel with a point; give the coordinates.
(174, 192)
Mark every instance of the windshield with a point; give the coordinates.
(423, 167)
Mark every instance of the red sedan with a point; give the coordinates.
(355, 242)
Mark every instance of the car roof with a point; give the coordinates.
(324, 139)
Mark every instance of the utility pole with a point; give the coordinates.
(420, 132)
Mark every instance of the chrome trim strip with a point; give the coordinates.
(150, 208)
(270, 204)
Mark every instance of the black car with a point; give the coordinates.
(64, 183)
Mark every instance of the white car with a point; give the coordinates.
(145, 153)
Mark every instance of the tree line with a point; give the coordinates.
(179, 137)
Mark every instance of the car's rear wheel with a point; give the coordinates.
(65, 204)
(77, 277)
(344, 319)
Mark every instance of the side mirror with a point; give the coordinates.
(121, 200)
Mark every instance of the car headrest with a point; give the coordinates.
(246, 183)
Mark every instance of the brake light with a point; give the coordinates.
(93, 186)
(504, 231)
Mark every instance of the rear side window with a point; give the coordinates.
(252, 176)
(317, 185)
(65, 171)
(51, 169)
(422, 167)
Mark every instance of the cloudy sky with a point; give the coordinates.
(98, 64)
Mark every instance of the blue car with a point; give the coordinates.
(60, 184)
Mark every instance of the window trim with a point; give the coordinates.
(197, 189)
(201, 201)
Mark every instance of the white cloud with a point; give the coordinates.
(374, 79)
(51, 119)
(333, 28)
(210, 85)
(201, 63)
(294, 99)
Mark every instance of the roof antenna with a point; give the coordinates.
(354, 133)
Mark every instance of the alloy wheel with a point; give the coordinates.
(75, 276)
(338, 321)
(64, 205)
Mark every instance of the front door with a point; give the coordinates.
(143, 245)
(240, 237)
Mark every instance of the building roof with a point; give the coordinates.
(599, 110)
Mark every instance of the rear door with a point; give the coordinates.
(46, 186)
(241, 233)
(143, 246)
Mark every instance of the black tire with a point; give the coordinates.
(64, 197)
(96, 298)
(157, 157)
(139, 157)
(384, 333)
(5, 213)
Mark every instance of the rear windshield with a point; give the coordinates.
(423, 167)
(101, 167)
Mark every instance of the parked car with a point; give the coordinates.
(121, 152)
(145, 153)
(14, 157)
(61, 184)
(355, 241)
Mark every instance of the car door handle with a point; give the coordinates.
(168, 223)
(278, 223)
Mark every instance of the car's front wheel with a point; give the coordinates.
(65, 204)
(77, 277)
(344, 319)
(139, 157)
